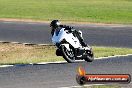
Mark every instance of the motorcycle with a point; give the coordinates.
(70, 47)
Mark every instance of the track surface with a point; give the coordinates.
(119, 36)
(62, 75)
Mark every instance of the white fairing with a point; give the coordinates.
(63, 34)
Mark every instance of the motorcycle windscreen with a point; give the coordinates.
(58, 36)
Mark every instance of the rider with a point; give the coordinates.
(56, 26)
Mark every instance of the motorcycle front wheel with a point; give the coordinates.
(90, 57)
(68, 55)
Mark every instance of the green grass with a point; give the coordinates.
(110, 51)
(23, 54)
(104, 11)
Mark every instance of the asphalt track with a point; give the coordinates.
(39, 33)
(63, 75)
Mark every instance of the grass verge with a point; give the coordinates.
(104, 11)
(24, 54)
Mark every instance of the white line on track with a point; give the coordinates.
(58, 62)
(83, 86)
(7, 22)
(114, 56)
(90, 85)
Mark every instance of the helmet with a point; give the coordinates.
(55, 24)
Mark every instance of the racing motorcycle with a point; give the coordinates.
(70, 48)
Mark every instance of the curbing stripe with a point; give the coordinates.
(4, 42)
(45, 44)
(15, 42)
(2, 66)
(27, 43)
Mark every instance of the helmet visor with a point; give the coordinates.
(58, 23)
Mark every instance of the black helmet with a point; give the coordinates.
(55, 24)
